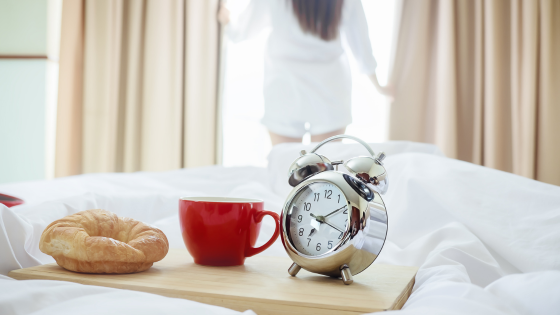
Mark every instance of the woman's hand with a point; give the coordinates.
(223, 14)
(387, 90)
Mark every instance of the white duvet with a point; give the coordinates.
(486, 242)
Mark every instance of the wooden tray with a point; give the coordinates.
(262, 284)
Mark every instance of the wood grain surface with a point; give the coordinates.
(262, 284)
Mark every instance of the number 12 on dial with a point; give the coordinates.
(319, 217)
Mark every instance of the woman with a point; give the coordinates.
(306, 74)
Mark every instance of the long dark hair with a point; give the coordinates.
(319, 17)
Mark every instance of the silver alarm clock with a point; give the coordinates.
(333, 223)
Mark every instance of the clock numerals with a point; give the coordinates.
(317, 219)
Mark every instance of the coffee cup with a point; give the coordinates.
(222, 231)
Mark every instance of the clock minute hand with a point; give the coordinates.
(321, 219)
(335, 211)
(334, 227)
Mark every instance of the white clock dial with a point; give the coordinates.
(318, 218)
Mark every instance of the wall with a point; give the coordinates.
(22, 120)
(23, 27)
(28, 75)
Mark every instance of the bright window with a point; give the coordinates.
(246, 140)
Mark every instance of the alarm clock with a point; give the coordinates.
(333, 223)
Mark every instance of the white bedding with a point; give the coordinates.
(486, 242)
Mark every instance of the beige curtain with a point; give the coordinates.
(149, 87)
(481, 79)
(68, 151)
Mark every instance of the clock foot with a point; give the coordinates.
(346, 275)
(294, 269)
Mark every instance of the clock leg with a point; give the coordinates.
(346, 275)
(294, 269)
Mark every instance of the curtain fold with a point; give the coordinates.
(68, 159)
(149, 86)
(548, 129)
(201, 83)
(477, 79)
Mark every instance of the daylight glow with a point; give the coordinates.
(246, 141)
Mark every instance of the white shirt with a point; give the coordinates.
(306, 79)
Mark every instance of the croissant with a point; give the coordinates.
(97, 241)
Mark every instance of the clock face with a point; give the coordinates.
(318, 218)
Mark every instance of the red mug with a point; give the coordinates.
(222, 231)
(10, 201)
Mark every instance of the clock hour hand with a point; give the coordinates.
(319, 218)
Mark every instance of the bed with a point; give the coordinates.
(486, 241)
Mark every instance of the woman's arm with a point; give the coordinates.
(248, 24)
(223, 14)
(355, 28)
(386, 90)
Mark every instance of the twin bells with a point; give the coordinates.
(369, 169)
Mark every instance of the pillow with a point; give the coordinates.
(283, 155)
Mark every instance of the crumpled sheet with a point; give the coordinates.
(486, 242)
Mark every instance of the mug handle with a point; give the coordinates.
(251, 251)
